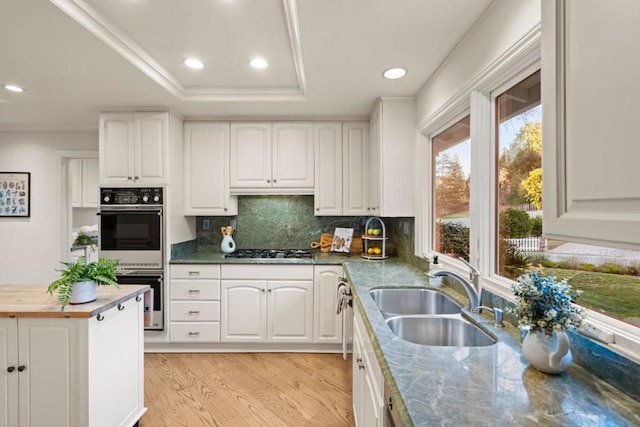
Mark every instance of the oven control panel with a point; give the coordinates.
(152, 196)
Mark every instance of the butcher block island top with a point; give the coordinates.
(34, 301)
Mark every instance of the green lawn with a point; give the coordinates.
(615, 295)
(463, 214)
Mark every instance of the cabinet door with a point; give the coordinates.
(116, 149)
(355, 143)
(375, 178)
(151, 137)
(589, 136)
(243, 310)
(293, 152)
(8, 380)
(52, 356)
(90, 183)
(327, 325)
(358, 379)
(290, 311)
(75, 176)
(206, 169)
(328, 168)
(250, 155)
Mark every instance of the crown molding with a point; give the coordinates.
(125, 46)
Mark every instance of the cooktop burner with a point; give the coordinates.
(270, 253)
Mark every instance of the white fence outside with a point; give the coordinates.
(528, 244)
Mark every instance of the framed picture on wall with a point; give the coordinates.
(15, 194)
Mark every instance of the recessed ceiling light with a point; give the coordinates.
(194, 63)
(258, 63)
(13, 88)
(394, 73)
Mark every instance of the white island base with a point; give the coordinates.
(80, 368)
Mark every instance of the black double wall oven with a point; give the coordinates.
(131, 230)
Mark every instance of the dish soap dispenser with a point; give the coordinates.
(227, 245)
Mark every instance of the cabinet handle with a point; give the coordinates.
(359, 360)
(100, 317)
(225, 209)
(269, 290)
(368, 209)
(21, 368)
(360, 365)
(11, 369)
(129, 178)
(136, 178)
(194, 311)
(194, 334)
(194, 273)
(194, 291)
(317, 209)
(138, 298)
(120, 307)
(274, 181)
(262, 290)
(269, 180)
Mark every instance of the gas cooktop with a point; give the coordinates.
(270, 253)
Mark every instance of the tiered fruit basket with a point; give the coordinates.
(374, 239)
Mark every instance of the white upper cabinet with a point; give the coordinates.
(392, 136)
(355, 175)
(268, 158)
(84, 182)
(328, 168)
(133, 148)
(206, 156)
(590, 110)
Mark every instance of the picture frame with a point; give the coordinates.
(15, 194)
(341, 242)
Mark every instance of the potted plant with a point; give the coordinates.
(545, 309)
(78, 281)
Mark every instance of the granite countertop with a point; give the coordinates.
(34, 301)
(494, 385)
(319, 258)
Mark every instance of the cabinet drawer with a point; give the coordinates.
(195, 332)
(195, 311)
(195, 271)
(195, 289)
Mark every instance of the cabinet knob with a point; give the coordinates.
(11, 369)
(368, 209)
(138, 298)
(262, 290)
(269, 180)
(100, 317)
(136, 178)
(129, 178)
(317, 209)
(225, 209)
(360, 365)
(21, 368)
(269, 290)
(274, 181)
(120, 307)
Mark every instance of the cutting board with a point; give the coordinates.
(326, 239)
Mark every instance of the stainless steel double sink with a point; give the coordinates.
(428, 317)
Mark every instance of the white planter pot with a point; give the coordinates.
(227, 245)
(83, 292)
(550, 355)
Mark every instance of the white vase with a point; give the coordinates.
(83, 292)
(550, 355)
(227, 245)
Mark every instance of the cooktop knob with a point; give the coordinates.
(145, 198)
(106, 198)
(156, 198)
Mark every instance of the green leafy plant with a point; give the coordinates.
(103, 272)
(544, 304)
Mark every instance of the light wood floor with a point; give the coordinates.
(247, 389)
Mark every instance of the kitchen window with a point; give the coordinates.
(608, 278)
(451, 168)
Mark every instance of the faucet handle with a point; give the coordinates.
(474, 270)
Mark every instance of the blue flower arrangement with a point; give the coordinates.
(544, 304)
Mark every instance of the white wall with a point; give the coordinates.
(501, 26)
(29, 246)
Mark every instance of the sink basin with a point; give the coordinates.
(401, 301)
(443, 331)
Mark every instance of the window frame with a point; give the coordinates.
(477, 99)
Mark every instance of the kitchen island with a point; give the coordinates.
(477, 386)
(83, 367)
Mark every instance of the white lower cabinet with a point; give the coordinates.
(194, 309)
(271, 304)
(75, 372)
(327, 325)
(368, 387)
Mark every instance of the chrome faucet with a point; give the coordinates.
(472, 293)
(474, 276)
